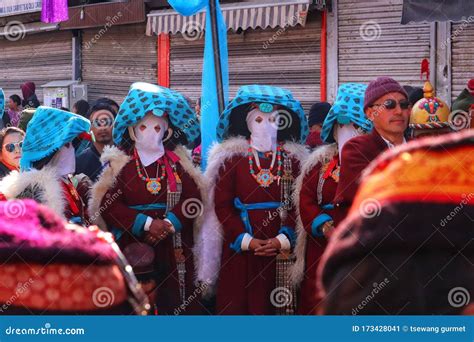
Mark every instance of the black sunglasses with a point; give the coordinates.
(11, 147)
(392, 104)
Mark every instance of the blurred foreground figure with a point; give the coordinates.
(407, 245)
(50, 267)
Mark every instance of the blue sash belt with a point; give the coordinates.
(244, 208)
(138, 222)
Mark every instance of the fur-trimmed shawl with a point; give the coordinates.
(211, 237)
(43, 185)
(322, 154)
(115, 160)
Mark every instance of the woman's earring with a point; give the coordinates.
(170, 134)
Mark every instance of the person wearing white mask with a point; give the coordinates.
(149, 194)
(47, 164)
(316, 186)
(248, 230)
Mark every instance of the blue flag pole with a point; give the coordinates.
(215, 74)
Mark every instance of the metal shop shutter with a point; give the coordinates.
(39, 58)
(113, 60)
(285, 57)
(372, 42)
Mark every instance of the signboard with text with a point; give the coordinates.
(15, 7)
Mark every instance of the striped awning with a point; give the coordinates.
(243, 15)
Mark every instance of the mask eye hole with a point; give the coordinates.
(272, 119)
(142, 127)
(157, 128)
(258, 119)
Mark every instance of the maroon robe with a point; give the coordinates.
(245, 280)
(131, 190)
(356, 155)
(315, 245)
(76, 198)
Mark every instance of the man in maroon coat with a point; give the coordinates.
(386, 105)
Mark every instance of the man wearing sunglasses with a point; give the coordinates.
(386, 105)
(102, 117)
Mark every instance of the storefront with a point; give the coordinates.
(275, 43)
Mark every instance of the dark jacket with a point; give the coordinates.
(4, 171)
(31, 102)
(88, 163)
(356, 155)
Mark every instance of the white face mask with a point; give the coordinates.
(64, 161)
(149, 142)
(343, 134)
(263, 134)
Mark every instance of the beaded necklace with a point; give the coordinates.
(153, 185)
(265, 177)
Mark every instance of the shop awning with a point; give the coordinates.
(244, 15)
(415, 11)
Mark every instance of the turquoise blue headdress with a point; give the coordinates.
(48, 131)
(145, 97)
(293, 126)
(2, 101)
(348, 107)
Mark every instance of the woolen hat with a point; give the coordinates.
(379, 87)
(318, 113)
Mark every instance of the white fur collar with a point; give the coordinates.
(211, 237)
(322, 154)
(116, 161)
(44, 183)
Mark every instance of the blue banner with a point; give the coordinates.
(209, 93)
(237, 328)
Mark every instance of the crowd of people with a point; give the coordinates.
(341, 211)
